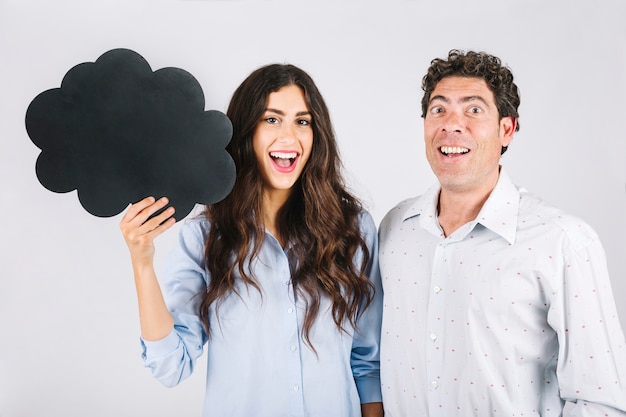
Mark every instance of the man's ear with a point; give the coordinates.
(507, 129)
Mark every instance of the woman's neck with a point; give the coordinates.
(273, 202)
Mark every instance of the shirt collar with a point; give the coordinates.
(499, 213)
(501, 210)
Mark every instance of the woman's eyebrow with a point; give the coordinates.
(282, 113)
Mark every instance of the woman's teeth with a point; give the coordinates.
(284, 159)
(283, 155)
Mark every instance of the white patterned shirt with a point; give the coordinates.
(510, 315)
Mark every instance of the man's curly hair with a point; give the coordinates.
(478, 65)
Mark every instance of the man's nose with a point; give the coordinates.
(453, 122)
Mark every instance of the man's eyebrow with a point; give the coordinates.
(466, 99)
(439, 98)
(474, 98)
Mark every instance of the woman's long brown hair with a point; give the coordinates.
(320, 219)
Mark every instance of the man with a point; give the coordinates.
(495, 304)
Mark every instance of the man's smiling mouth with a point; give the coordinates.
(453, 150)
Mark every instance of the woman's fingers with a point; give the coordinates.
(136, 208)
(142, 210)
(137, 225)
(159, 223)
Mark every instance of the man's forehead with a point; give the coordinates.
(455, 88)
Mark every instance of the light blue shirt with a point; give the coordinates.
(510, 315)
(258, 364)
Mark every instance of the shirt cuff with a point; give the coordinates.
(161, 347)
(369, 390)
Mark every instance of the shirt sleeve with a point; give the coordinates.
(172, 358)
(591, 365)
(365, 358)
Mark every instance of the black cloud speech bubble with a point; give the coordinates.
(117, 132)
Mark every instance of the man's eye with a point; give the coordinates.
(475, 110)
(436, 110)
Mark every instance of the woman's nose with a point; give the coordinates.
(287, 132)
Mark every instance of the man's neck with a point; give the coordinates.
(454, 209)
(459, 205)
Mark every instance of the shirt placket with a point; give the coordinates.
(435, 331)
(292, 347)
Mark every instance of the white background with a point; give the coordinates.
(68, 319)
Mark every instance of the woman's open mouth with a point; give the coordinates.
(284, 161)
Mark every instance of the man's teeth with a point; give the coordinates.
(447, 150)
(283, 155)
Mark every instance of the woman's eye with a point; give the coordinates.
(271, 120)
(304, 122)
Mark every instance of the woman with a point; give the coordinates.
(280, 279)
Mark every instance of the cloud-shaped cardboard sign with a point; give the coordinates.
(117, 132)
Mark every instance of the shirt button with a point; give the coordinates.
(293, 348)
(290, 310)
(433, 336)
(296, 388)
(434, 384)
(437, 289)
